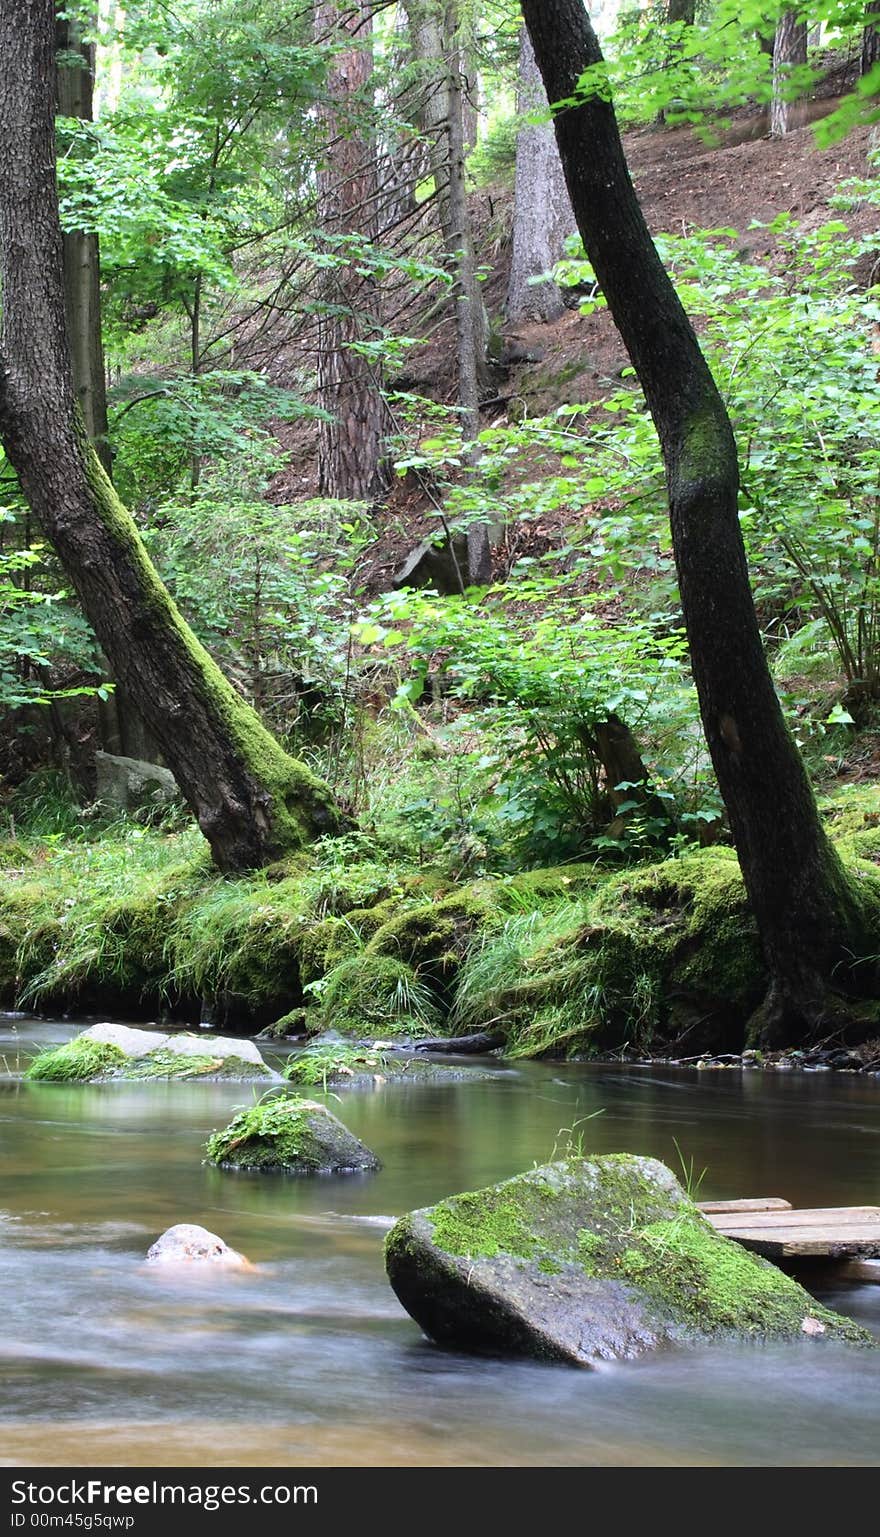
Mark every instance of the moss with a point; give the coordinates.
(175, 1064)
(373, 992)
(616, 961)
(321, 1066)
(77, 1061)
(437, 935)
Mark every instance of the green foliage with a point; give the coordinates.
(548, 675)
(39, 628)
(268, 589)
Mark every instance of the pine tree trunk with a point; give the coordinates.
(870, 40)
(434, 29)
(542, 215)
(252, 801)
(789, 50)
(82, 265)
(469, 304)
(809, 914)
(351, 461)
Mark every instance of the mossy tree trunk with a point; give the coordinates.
(810, 915)
(252, 801)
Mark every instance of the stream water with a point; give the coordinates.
(310, 1360)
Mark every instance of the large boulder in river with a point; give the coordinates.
(116, 1051)
(188, 1244)
(589, 1260)
(289, 1135)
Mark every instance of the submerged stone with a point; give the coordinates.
(590, 1260)
(109, 1051)
(186, 1244)
(289, 1135)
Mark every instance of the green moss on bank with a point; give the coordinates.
(76, 1061)
(567, 961)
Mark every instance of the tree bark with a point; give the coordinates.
(870, 39)
(351, 461)
(542, 214)
(434, 30)
(789, 50)
(252, 801)
(82, 263)
(681, 10)
(811, 918)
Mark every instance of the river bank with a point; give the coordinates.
(650, 960)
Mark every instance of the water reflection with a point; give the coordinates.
(310, 1359)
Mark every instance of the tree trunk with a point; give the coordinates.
(468, 302)
(870, 40)
(351, 445)
(435, 37)
(82, 265)
(809, 914)
(789, 50)
(542, 216)
(252, 801)
(681, 10)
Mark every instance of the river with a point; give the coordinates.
(310, 1360)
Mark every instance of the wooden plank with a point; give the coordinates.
(858, 1239)
(802, 1218)
(758, 1203)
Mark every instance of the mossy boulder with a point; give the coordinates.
(589, 1260)
(109, 1051)
(338, 1065)
(289, 1135)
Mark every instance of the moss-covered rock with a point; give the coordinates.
(289, 1135)
(588, 1260)
(116, 1051)
(335, 1065)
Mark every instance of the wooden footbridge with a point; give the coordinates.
(849, 1235)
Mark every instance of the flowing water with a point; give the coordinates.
(310, 1360)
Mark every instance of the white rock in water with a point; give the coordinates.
(187, 1244)
(133, 1043)
(136, 1044)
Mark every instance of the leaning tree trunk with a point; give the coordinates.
(542, 216)
(809, 914)
(789, 50)
(870, 39)
(252, 801)
(350, 456)
(82, 265)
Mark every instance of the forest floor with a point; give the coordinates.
(684, 184)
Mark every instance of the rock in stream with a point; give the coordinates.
(590, 1260)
